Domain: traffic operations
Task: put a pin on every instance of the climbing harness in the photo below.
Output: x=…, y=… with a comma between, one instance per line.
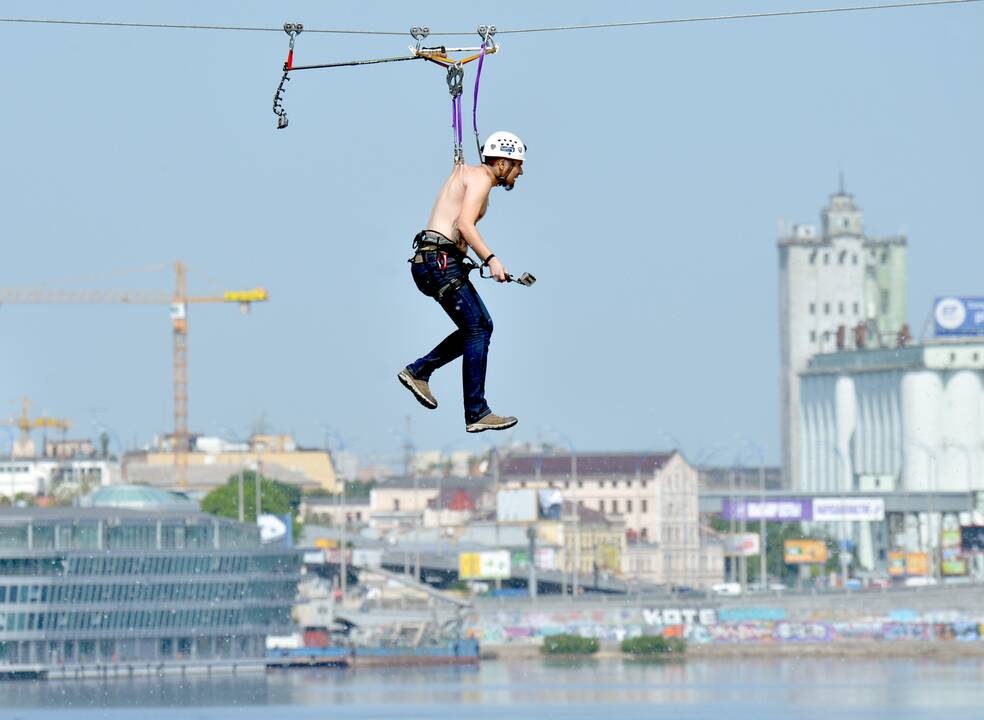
x=432, y=241
x=446, y=57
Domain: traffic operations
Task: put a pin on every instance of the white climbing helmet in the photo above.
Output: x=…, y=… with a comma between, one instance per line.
x=505, y=145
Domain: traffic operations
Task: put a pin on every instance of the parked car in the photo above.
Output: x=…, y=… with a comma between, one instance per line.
x=726, y=589
x=919, y=581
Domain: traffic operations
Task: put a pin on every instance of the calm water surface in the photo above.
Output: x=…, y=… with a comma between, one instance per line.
x=601, y=690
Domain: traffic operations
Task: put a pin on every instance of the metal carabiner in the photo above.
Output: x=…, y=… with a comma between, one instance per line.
x=455, y=78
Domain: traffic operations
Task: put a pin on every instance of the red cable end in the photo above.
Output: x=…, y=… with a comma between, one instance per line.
x=290, y=59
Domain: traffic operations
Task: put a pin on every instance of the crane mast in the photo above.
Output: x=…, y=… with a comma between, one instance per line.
x=179, y=302
x=179, y=324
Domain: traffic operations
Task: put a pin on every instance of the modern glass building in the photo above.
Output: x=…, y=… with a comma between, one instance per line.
x=115, y=590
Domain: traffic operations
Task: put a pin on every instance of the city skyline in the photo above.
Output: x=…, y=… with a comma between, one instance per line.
x=685, y=240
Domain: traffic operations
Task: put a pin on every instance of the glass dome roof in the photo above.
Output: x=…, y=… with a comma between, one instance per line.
x=139, y=497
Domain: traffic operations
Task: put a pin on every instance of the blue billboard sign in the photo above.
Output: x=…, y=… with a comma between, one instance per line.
x=784, y=510
x=959, y=316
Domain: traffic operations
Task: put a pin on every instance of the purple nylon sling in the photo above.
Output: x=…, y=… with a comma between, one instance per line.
x=478, y=78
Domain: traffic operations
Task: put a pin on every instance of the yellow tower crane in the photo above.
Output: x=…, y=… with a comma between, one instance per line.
x=179, y=302
x=26, y=423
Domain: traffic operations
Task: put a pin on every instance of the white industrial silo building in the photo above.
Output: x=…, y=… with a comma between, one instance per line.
x=903, y=419
x=833, y=282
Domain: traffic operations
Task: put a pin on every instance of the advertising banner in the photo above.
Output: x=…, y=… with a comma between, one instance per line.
x=917, y=563
x=741, y=544
x=787, y=509
x=803, y=552
x=520, y=559
x=546, y=558
x=484, y=565
x=468, y=566
x=335, y=556
x=950, y=537
x=972, y=538
x=959, y=316
x=494, y=565
x=368, y=558
x=517, y=505
x=850, y=509
x=275, y=529
x=953, y=563
x=896, y=564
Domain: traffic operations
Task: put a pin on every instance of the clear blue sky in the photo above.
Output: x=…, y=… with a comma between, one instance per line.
x=660, y=161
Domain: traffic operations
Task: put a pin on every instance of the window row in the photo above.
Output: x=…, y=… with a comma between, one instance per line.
x=148, y=592
x=842, y=257
x=601, y=484
x=183, y=564
x=32, y=567
x=136, y=620
x=615, y=507
x=841, y=308
x=128, y=536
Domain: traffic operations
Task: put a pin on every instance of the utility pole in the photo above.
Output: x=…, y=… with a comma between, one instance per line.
x=575, y=583
x=409, y=460
x=259, y=495
x=343, y=545
x=242, y=507
x=531, y=534
x=495, y=481
x=743, y=560
x=496, y=484
x=763, y=570
x=732, y=561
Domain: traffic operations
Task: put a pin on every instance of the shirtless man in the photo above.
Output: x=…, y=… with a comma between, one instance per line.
x=439, y=271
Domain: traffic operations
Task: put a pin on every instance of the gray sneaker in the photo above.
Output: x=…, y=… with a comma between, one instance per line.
x=491, y=422
x=420, y=389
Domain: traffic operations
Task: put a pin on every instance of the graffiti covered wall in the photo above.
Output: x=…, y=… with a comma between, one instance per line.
x=734, y=625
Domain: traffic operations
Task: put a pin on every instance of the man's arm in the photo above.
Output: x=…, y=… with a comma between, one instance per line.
x=477, y=191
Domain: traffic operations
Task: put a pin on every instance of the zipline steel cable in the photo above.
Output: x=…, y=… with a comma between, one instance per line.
x=557, y=28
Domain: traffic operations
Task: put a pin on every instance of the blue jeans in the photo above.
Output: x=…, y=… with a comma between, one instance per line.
x=470, y=340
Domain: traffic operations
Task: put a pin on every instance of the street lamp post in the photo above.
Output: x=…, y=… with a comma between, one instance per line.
x=763, y=570
x=242, y=497
x=531, y=536
x=340, y=511
x=931, y=485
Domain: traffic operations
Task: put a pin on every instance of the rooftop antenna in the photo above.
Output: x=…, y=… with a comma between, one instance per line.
x=840, y=182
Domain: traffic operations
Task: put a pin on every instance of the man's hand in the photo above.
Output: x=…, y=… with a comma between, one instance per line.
x=498, y=271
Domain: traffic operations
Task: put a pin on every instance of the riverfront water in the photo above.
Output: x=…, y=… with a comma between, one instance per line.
x=744, y=689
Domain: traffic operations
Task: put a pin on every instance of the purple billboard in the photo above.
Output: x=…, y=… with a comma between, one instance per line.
x=787, y=509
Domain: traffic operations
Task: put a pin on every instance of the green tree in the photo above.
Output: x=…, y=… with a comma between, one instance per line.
x=353, y=489
x=777, y=534
x=276, y=498
x=359, y=488
x=569, y=645
x=653, y=645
